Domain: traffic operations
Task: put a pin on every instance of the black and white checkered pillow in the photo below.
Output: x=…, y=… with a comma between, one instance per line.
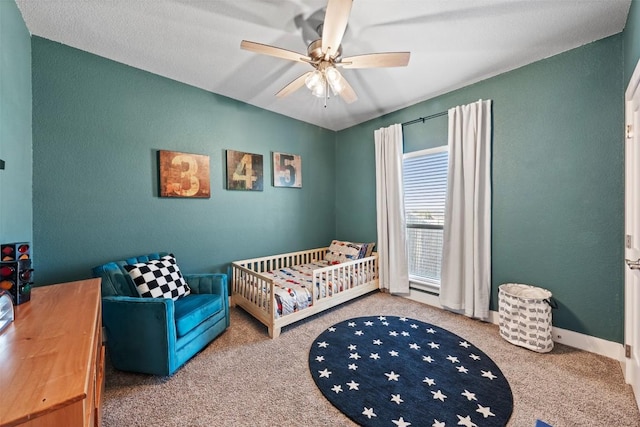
x=159, y=278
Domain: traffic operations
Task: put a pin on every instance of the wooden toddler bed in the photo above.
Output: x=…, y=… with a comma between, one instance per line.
x=281, y=289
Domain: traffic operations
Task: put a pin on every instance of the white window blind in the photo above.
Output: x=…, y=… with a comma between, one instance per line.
x=425, y=187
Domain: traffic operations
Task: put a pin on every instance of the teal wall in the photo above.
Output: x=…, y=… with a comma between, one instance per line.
x=557, y=179
x=15, y=126
x=631, y=41
x=96, y=130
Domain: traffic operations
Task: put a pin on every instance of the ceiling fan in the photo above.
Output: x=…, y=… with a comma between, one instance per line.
x=324, y=55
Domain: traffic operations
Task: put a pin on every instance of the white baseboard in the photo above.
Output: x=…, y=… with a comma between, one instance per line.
x=577, y=340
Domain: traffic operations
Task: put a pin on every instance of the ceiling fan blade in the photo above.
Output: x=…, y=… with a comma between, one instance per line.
x=376, y=60
x=335, y=24
x=347, y=93
x=293, y=86
x=273, y=51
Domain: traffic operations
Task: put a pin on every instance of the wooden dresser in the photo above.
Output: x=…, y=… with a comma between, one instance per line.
x=52, y=358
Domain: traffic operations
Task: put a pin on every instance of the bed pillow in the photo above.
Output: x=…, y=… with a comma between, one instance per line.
x=342, y=251
x=370, y=247
x=367, y=249
x=159, y=278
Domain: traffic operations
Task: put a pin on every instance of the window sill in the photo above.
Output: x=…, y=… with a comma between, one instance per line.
x=424, y=285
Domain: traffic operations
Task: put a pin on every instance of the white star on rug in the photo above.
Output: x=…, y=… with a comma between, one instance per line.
x=368, y=412
x=374, y=356
x=393, y=333
x=331, y=329
x=359, y=333
x=353, y=385
x=429, y=381
x=414, y=346
x=325, y=373
x=323, y=344
x=488, y=374
x=437, y=423
x=368, y=323
x=466, y=421
x=414, y=326
x=427, y=359
x=401, y=422
x=464, y=344
x=453, y=359
x=431, y=331
x=393, y=353
x=385, y=323
x=353, y=366
x=354, y=356
x=382, y=318
x=462, y=369
x=377, y=342
x=469, y=395
x=352, y=324
x=396, y=398
x=337, y=388
x=403, y=319
x=319, y=358
x=352, y=347
x=474, y=356
x=392, y=376
x=434, y=345
x=405, y=334
x=485, y=411
x=438, y=395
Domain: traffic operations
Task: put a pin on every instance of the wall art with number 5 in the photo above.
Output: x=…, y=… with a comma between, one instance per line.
x=244, y=171
x=287, y=170
x=183, y=175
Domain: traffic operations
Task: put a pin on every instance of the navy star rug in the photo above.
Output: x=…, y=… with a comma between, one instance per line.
x=395, y=371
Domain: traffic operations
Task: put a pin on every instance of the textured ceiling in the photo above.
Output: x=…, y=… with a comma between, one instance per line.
x=453, y=43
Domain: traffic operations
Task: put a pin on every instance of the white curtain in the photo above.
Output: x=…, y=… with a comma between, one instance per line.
x=392, y=241
x=466, y=255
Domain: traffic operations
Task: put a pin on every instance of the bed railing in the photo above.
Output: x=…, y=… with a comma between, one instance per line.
x=274, y=262
x=256, y=288
x=347, y=275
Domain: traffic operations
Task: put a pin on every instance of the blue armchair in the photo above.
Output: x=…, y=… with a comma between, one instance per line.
x=158, y=335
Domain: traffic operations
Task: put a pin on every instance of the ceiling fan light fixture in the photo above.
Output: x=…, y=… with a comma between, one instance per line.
x=334, y=79
x=317, y=82
x=313, y=79
x=319, y=89
x=332, y=74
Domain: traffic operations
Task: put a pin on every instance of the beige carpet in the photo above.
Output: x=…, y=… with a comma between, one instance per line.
x=244, y=378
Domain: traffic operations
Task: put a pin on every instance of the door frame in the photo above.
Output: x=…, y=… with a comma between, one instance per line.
x=631, y=371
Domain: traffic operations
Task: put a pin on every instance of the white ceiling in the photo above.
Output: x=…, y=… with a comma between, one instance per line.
x=453, y=43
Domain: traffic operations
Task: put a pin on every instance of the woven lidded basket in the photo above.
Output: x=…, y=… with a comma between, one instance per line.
x=525, y=316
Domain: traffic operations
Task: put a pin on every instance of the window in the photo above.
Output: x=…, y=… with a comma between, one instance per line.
x=425, y=189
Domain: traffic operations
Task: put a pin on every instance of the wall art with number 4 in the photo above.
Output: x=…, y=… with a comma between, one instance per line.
x=287, y=170
x=244, y=171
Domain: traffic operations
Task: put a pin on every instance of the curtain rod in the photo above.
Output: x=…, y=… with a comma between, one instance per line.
x=422, y=119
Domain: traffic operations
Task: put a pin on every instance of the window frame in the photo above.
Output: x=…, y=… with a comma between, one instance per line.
x=417, y=282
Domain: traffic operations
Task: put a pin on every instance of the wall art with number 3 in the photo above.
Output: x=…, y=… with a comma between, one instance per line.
x=183, y=175
x=244, y=171
x=287, y=170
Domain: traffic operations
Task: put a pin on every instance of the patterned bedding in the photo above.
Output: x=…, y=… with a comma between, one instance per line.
x=293, y=286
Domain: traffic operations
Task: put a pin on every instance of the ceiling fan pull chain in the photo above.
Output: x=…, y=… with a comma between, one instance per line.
x=326, y=91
